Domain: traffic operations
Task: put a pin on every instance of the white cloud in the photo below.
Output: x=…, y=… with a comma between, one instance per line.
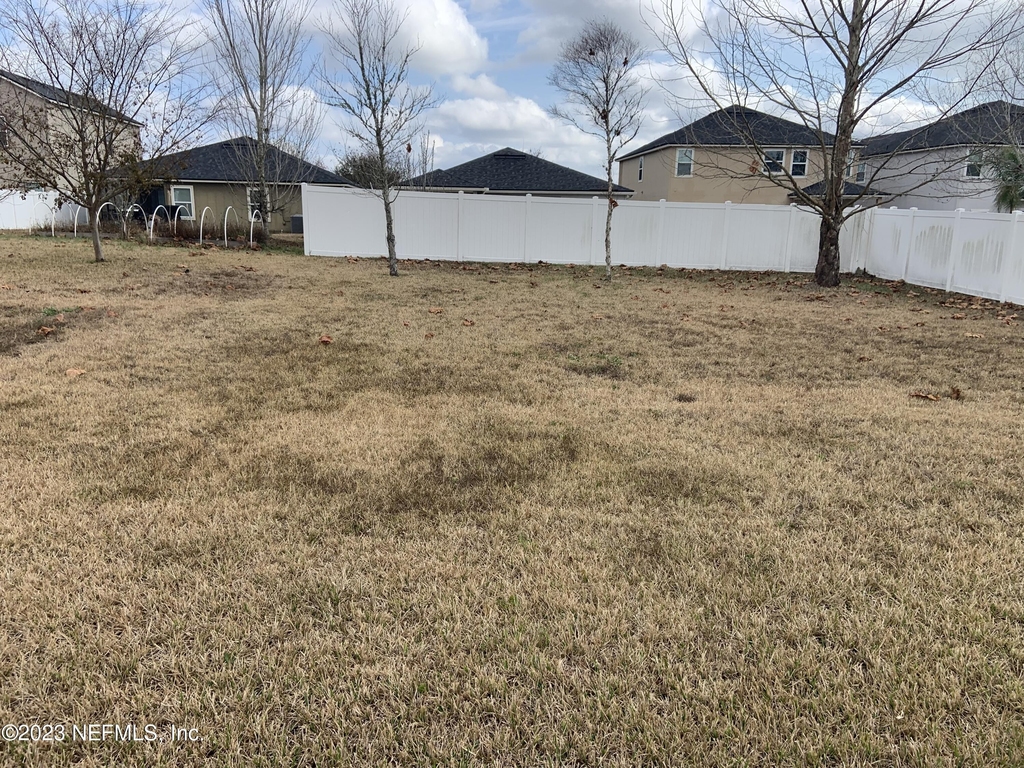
x=481, y=86
x=449, y=43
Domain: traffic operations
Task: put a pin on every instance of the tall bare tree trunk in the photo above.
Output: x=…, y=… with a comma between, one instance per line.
x=97, y=243
x=390, y=219
x=826, y=273
x=608, y=236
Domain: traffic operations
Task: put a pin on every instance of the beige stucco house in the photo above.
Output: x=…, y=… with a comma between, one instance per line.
x=218, y=179
x=731, y=155
x=42, y=128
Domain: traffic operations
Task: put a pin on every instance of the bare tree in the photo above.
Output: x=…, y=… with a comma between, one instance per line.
x=383, y=109
x=597, y=74
x=102, y=85
x=262, y=81
x=834, y=66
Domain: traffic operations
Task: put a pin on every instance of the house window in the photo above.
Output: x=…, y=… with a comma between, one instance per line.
x=684, y=162
x=799, y=165
x=862, y=172
x=773, y=159
x=973, y=168
x=640, y=169
x=256, y=201
x=850, y=157
x=185, y=198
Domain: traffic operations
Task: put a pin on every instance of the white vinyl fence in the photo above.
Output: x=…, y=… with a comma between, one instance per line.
x=35, y=211
x=977, y=253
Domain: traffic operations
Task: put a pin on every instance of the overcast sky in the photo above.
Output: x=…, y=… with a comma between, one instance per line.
x=489, y=60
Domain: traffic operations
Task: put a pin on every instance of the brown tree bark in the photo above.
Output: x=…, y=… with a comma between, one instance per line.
x=826, y=273
x=97, y=243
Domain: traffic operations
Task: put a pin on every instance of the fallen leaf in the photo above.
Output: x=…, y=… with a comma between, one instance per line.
x=72, y=372
x=183, y=266
x=665, y=306
x=597, y=317
x=919, y=325
x=405, y=323
x=59, y=317
x=351, y=259
x=955, y=393
x=863, y=359
x=111, y=313
x=493, y=281
x=44, y=330
x=467, y=321
x=6, y=287
x=428, y=335
x=974, y=335
x=325, y=339
x=925, y=396
x=958, y=316
x=436, y=310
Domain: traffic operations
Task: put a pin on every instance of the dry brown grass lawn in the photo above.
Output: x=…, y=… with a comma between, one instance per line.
x=684, y=519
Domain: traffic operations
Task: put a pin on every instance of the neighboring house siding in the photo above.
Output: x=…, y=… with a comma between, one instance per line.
x=17, y=102
x=933, y=179
x=719, y=174
x=219, y=196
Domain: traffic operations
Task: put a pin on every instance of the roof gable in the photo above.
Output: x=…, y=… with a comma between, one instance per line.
x=509, y=170
x=231, y=161
x=992, y=123
x=738, y=126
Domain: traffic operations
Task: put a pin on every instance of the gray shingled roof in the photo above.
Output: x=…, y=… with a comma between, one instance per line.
x=737, y=126
x=994, y=123
x=509, y=170
x=60, y=96
x=850, y=189
x=227, y=160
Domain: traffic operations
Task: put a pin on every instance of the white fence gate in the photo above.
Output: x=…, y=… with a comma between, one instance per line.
x=976, y=253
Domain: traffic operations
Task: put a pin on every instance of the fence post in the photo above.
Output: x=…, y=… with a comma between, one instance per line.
x=869, y=230
x=1008, y=258
x=725, y=236
x=954, y=243
x=660, y=257
x=910, y=244
x=789, y=237
x=458, y=227
x=526, y=226
x=596, y=230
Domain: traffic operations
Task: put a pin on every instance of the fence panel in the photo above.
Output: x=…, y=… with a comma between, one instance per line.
x=976, y=253
x=561, y=230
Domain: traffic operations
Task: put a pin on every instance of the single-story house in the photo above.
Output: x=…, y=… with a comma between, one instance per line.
x=730, y=155
x=942, y=165
x=219, y=176
x=511, y=172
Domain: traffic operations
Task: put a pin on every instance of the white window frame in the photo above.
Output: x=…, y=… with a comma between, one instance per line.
x=191, y=203
x=248, y=204
x=793, y=163
x=781, y=161
x=680, y=150
x=640, y=170
x=973, y=159
x=862, y=173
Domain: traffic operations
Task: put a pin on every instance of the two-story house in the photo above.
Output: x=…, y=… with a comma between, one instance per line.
x=44, y=126
x=943, y=165
x=730, y=155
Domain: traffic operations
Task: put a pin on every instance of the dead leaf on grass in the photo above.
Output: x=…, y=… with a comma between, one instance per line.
x=73, y=372
x=325, y=339
x=925, y=396
x=863, y=359
x=436, y=310
x=405, y=323
x=467, y=322
x=428, y=335
x=45, y=330
x=975, y=335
